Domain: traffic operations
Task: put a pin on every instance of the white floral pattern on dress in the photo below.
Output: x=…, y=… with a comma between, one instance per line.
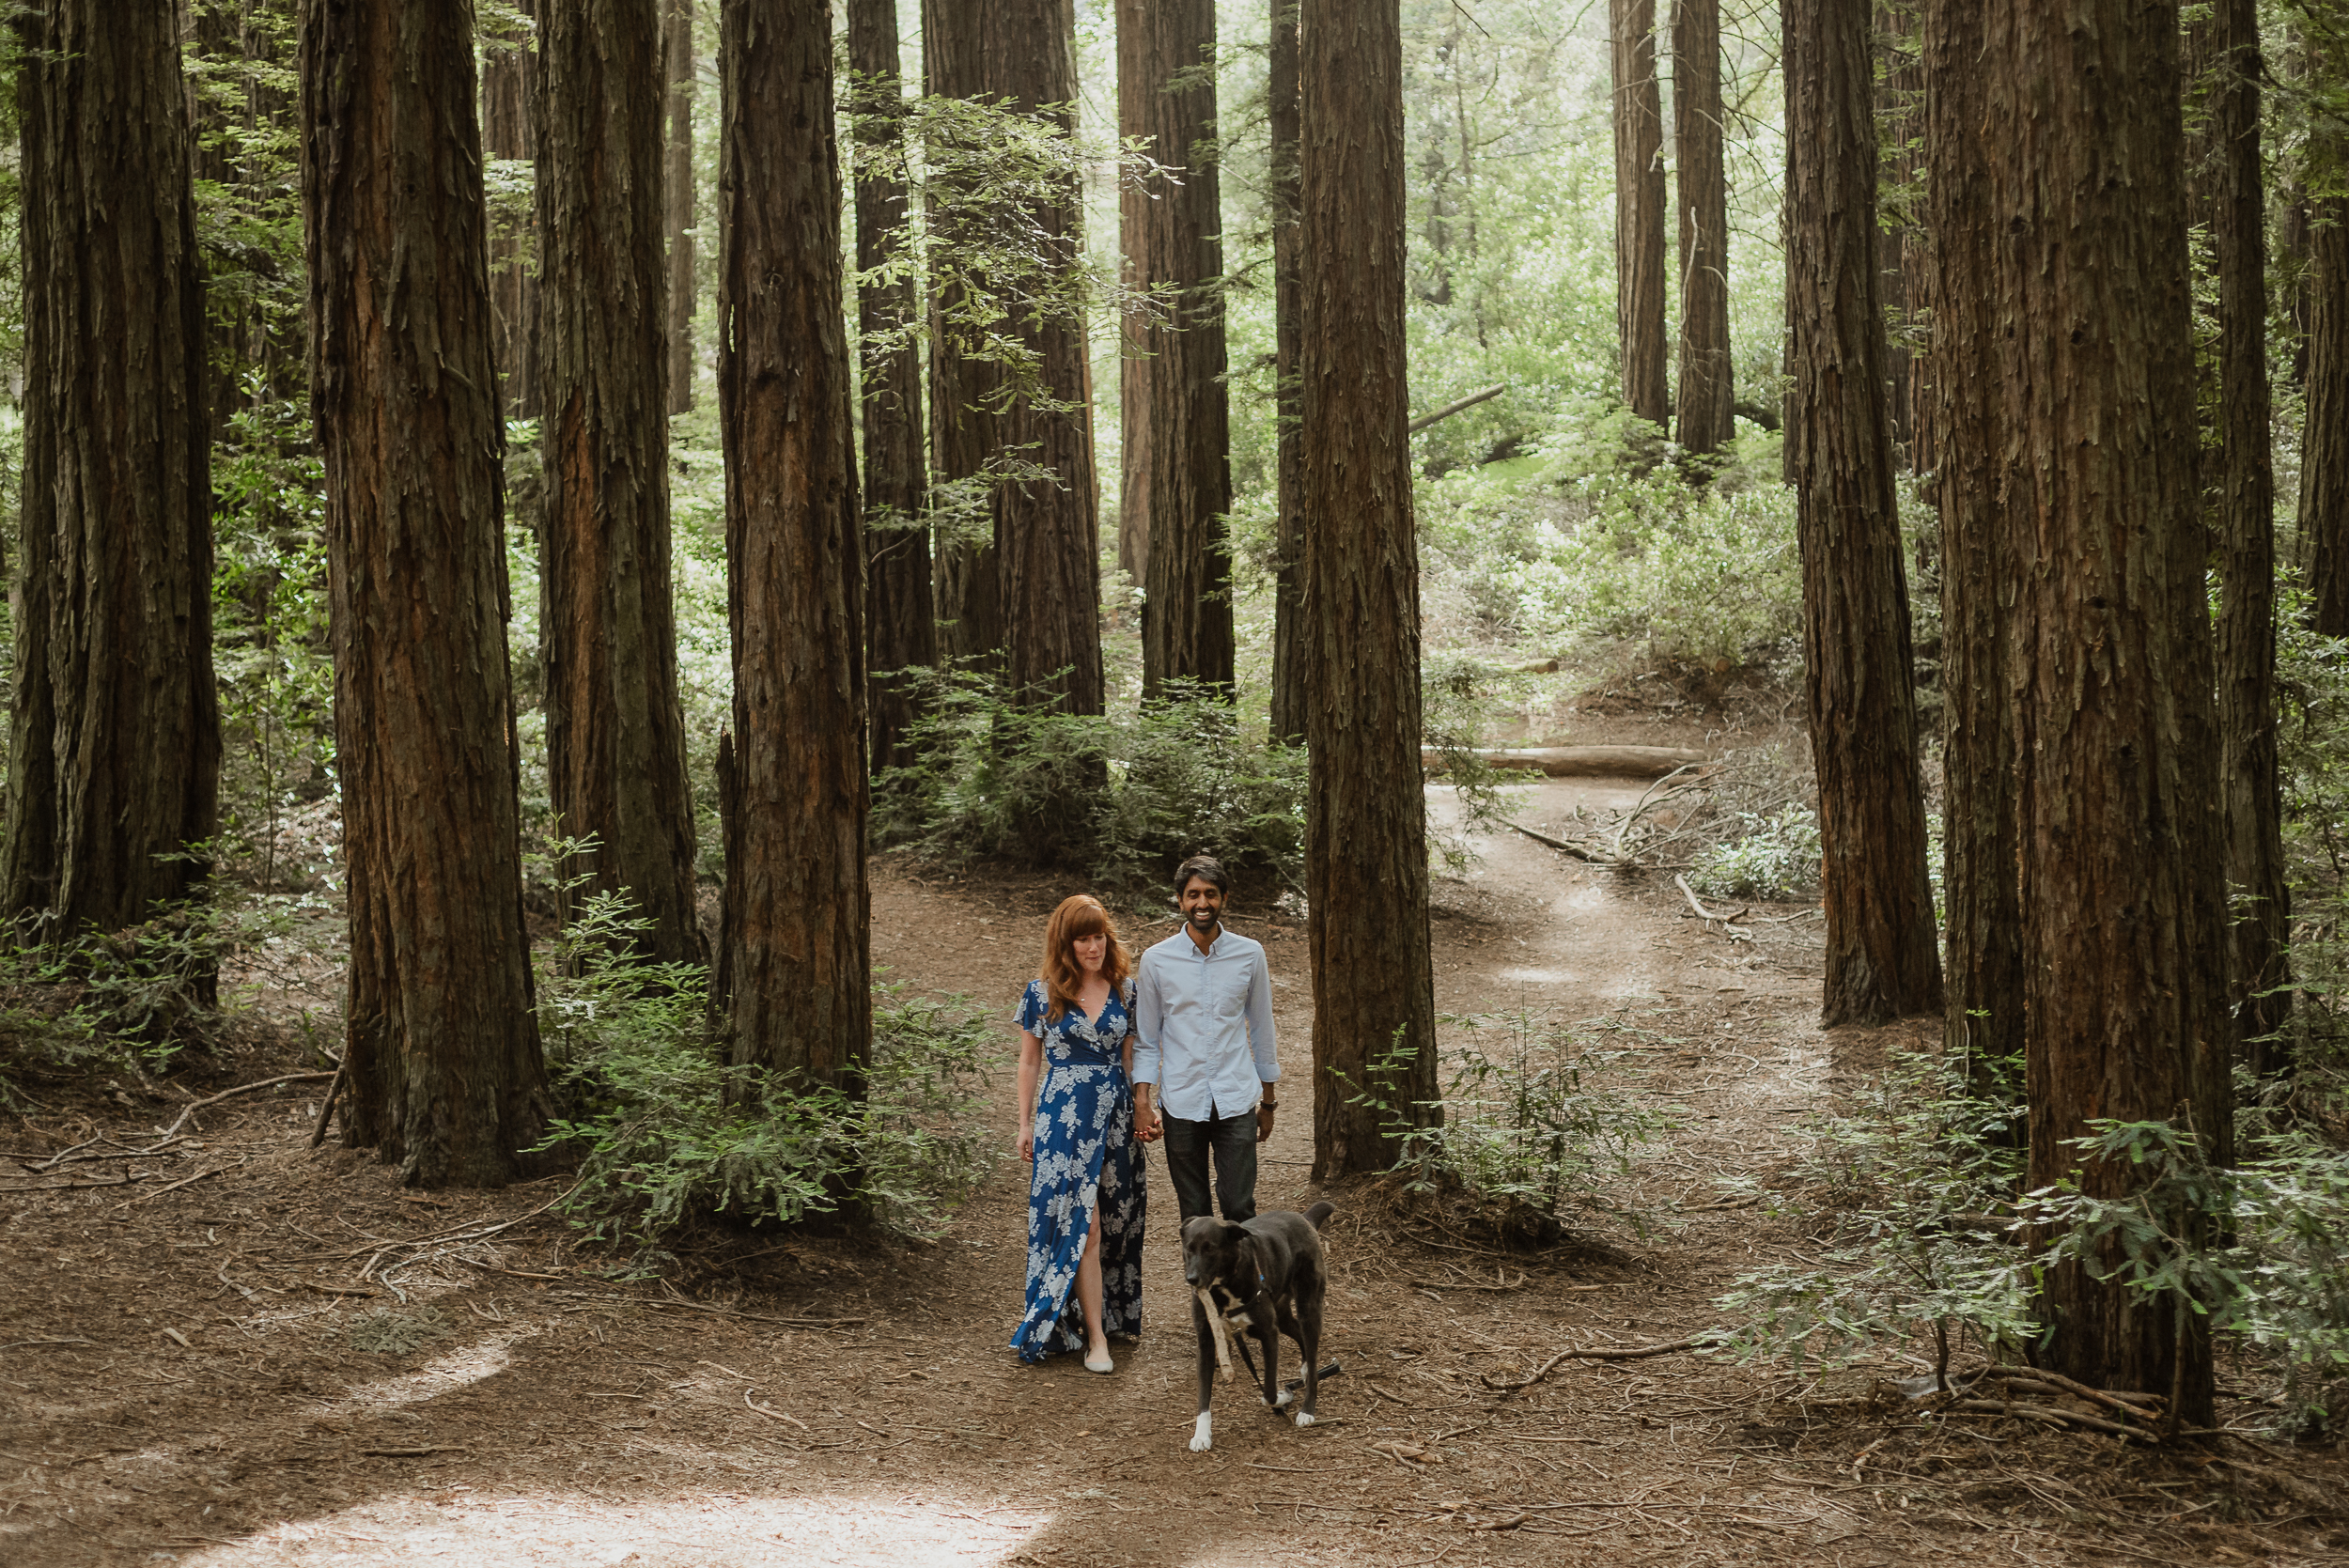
x=1086, y=1161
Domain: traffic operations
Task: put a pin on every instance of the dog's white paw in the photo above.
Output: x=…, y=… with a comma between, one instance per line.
x=1304, y=1419
x=1284, y=1400
x=1203, y=1434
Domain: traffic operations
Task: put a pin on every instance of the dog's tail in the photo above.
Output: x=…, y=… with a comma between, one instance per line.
x=1320, y=1214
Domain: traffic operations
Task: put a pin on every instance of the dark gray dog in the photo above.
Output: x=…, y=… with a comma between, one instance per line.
x=1263, y=1278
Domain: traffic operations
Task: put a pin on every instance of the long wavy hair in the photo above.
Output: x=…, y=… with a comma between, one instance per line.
x=1079, y=915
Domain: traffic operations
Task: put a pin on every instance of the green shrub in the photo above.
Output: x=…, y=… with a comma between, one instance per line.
x=1776, y=857
x=665, y=1129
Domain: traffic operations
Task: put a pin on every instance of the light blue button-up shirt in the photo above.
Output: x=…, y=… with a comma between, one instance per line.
x=1202, y=1025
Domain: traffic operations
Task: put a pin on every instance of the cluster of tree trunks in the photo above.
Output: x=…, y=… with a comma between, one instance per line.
x=1639, y=214
x=1366, y=820
x=1283, y=110
x=510, y=87
x=1707, y=385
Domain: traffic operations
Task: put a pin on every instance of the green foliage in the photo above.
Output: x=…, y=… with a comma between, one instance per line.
x=1530, y=1132
x=666, y=1130
x=1167, y=779
x=1457, y=696
x=1911, y=1188
x=1776, y=856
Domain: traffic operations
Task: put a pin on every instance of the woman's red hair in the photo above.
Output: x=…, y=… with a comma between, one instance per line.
x=1079, y=915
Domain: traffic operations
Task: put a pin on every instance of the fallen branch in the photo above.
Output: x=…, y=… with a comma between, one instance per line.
x=1582, y=762
x=1222, y=1340
x=1641, y=804
x=1579, y=851
x=1709, y=916
x=1706, y=1341
x=1462, y=1284
x=1434, y=416
x=2054, y=1381
x=326, y=1112
x=2051, y=1414
x=184, y=1181
x=241, y=1088
x=773, y=1414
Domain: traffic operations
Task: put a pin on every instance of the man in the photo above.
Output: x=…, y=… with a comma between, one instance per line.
x=1204, y=1050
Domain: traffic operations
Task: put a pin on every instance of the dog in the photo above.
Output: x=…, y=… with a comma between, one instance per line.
x=1263, y=1278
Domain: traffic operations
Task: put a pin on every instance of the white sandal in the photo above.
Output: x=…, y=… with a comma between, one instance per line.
x=1104, y=1364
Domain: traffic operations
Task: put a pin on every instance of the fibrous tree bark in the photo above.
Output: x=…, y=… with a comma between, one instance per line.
x=1707, y=385
x=1903, y=261
x=1983, y=970
x=794, y=981
x=2115, y=738
x=1288, y=326
x=1365, y=821
x=445, y=1076
x=677, y=216
x=510, y=86
x=1177, y=415
x=114, y=728
x=2245, y=497
x=2325, y=431
x=901, y=614
x=1881, y=962
x=616, y=728
x=1638, y=120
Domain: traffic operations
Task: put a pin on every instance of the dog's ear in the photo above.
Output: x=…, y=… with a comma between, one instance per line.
x=1230, y=1234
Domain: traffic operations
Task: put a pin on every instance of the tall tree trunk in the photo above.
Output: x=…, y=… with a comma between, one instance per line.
x=1639, y=118
x=114, y=728
x=965, y=434
x=793, y=983
x=1366, y=815
x=901, y=614
x=1288, y=332
x=1177, y=449
x=2247, y=539
x=677, y=213
x=616, y=729
x=1984, y=1025
x=1707, y=384
x=2116, y=739
x=2325, y=431
x=1880, y=935
x=1900, y=261
x=509, y=87
x=445, y=1076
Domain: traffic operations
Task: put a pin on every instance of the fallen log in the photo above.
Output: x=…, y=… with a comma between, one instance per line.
x=1582, y=762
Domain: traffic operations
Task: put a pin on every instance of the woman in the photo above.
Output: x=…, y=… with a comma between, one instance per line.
x=1085, y=1194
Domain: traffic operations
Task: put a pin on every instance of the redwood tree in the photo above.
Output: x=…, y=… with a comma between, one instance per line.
x=444, y=1073
x=1983, y=1018
x=2245, y=497
x=901, y=615
x=794, y=981
x=1177, y=415
x=2116, y=743
x=1288, y=331
x=1707, y=385
x=1880, y=935
x=616, y=729
x=115, y=729
x=677, y=209
x=2325, y=428
x=1638, y=120
x=510, y=86
x=1367, y=815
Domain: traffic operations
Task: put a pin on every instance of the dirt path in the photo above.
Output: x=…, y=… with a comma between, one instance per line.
x=166, y=1397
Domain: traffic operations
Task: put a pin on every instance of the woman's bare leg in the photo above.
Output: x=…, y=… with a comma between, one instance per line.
x=1089, y=1285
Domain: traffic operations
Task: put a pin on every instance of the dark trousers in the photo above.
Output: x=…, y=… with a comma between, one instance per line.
x=1233, y=1142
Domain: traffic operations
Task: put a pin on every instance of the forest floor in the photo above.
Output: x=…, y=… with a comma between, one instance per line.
x=182, y=1377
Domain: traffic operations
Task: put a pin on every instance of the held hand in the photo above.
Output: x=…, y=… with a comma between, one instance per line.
x=1264, y=1123
x=1027, y=1144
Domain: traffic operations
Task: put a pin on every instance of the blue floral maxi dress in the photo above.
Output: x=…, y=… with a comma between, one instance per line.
x=1084, y=1150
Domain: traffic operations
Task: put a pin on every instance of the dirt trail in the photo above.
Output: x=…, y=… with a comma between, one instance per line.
x=166, y=1397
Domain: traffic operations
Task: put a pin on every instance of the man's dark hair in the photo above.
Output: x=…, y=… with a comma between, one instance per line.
x=1204, y=868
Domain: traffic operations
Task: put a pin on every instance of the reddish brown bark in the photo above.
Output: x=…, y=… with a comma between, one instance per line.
x=900, y=610
x=794, y=981
x=1880, y=936
x=1707, y=387
x=115, y=729
x=1366, y=817
x=1177, y=442
x=1639, y=214
x=2116, y=739
x=444, y=1073
x=616, y=729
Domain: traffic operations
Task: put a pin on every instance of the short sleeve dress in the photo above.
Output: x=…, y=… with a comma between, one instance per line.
x=1088, y=1171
